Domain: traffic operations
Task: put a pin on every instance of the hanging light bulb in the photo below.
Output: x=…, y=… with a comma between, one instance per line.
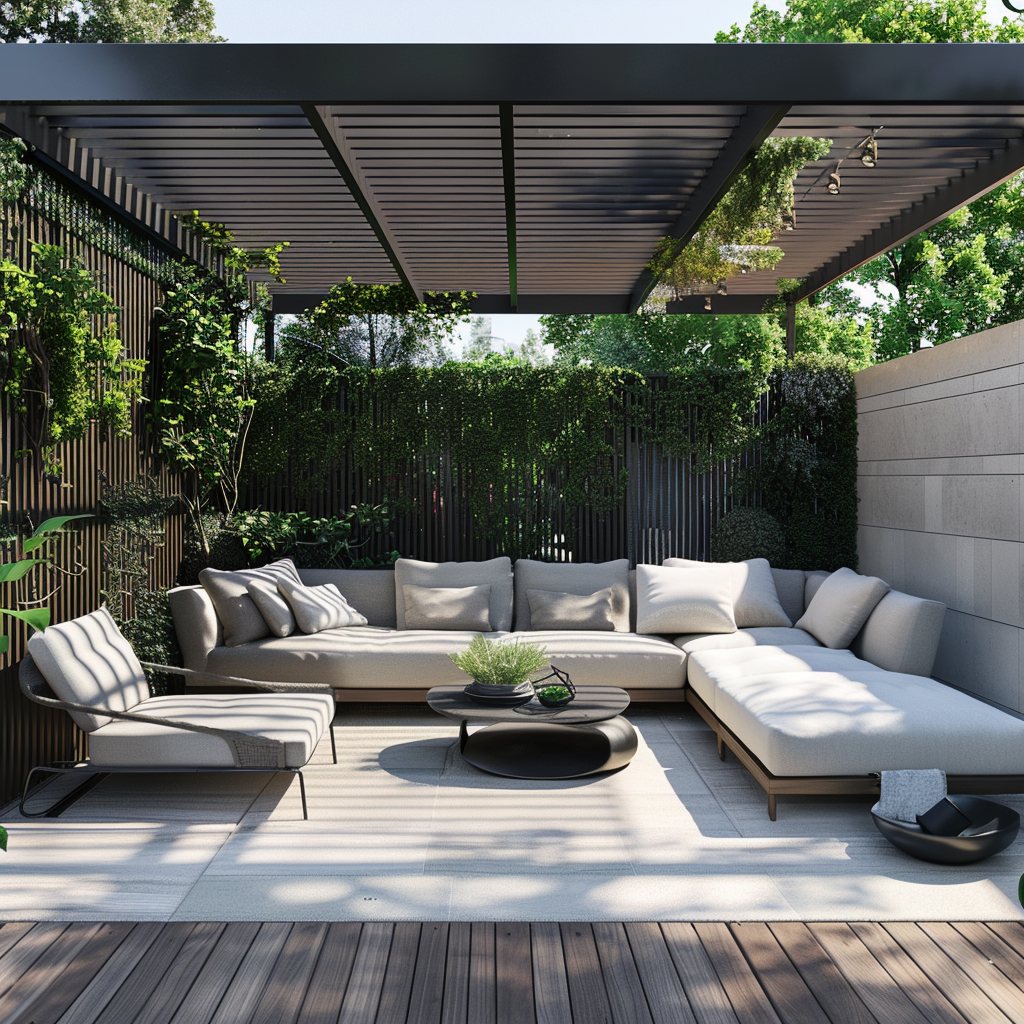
x=869, y=152
x=834, y=182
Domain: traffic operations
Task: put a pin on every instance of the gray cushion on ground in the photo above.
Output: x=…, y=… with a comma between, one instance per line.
x=777, y=636
x=789, y=585
x=581, y=578
x=369, y=591
x=296, y=719
x=839, y=715
x=196, y=625
x=497, y=572
x=901, y=634
x=612, y=659
x=88, y=661
x=358, y=657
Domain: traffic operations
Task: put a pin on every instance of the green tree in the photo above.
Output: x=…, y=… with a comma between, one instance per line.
x=107, y=21
x=532, y=349
x=377, y=325
x=481, y=340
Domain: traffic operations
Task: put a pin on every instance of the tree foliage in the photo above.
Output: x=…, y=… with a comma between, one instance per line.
x=107, y=21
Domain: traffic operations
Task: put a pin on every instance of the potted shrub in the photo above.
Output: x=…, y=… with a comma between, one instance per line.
x=500, y=670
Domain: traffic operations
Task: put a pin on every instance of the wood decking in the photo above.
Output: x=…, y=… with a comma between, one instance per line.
x=460, y=973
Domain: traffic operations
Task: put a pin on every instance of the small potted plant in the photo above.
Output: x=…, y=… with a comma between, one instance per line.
x=556, y=694
x=500, y=670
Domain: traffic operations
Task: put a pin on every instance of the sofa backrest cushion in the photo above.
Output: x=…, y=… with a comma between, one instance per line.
x=813, y=579
x=236, y=610
x=676, y=600
x=448, y=607
x=276, y=611
x=88, y=661
x=579, y=578
x=495, y=572
x=319, y=608
x=901, y=634
x=369, y=591
x=789, y=585
x=840, y=606
x=755, y=601
x=196, y=626
x=550, y=609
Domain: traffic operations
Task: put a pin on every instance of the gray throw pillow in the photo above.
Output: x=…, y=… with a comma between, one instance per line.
x=229, y=592
x=495, y=573
x=580, y=578
x=448, y=607
x=276, y=611
x=755, y=599
x=840, y=606
x=552, y=610
x=674, y=600
x=319, y=608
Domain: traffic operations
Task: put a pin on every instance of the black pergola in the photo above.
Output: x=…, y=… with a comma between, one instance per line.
x=540, y=177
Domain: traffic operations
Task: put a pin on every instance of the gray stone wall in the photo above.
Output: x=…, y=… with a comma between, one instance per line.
x=941, y=487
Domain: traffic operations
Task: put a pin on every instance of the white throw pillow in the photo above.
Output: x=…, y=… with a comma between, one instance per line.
x=319, y=608
x=495, y=573
x=276, y=611
x=755, y=598
x=673, y=600
x=448, y=607
x=840, y=606
x=229, y=592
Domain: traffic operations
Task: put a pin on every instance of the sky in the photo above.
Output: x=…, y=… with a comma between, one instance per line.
x=488, y=21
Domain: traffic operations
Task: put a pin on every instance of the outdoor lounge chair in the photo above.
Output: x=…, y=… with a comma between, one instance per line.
x=87, y=668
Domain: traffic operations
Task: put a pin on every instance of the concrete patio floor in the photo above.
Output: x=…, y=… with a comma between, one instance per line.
x=402, y=829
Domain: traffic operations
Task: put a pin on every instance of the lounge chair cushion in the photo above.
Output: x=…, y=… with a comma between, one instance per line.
x=88, y=661
x=840, y=606
x=755, y=600
x=674, y=600
x=495, y=572
x=817, y=711
x=229, y=592
x=448, y=607
x=550, y=609
x=580, y=578
x=319, y=608
x=296, y=719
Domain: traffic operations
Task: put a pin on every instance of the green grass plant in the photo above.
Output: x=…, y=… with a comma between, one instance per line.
x=497, y=663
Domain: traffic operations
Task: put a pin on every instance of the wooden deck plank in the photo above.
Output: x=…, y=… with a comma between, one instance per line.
x=397, y=985
x=178, y=976
x=550, y=986
x=52, y=999
x=12, y=933
x=95, y=996
x=455, y=1008
x=1011, y=932
x=362, y=996
x=907, y=973
x=583, y=973
x=701, y=984
x=794, y=1002
x=333, y=970
x=986, y=986
x=666, y=999
x=945, y=974
x=213, y=980
x=246, y=987
x=46, y=969
x=286, y=987
x=426, y=996
x=996, y=952
x=19, y=958
x=483, y=995
x=869, y=979
x=513, y=974
x=833, y=992
x=748, y=999
x=622, y=980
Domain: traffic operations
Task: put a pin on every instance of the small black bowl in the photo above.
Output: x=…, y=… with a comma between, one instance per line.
x=909, y=837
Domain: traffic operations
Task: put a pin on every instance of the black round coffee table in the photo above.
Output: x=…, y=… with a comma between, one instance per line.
x=534, y=742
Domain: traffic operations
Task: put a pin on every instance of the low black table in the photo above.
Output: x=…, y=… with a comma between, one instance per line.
x=534, y=742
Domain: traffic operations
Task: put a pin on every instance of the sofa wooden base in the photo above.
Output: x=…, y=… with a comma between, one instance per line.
x=831, y=785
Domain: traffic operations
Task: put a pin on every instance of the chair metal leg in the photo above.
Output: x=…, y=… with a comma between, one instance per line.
x=334, y=749
x=92, y=780
x=302, y=791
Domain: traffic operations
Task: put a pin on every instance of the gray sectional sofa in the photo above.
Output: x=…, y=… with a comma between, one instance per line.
x=820, y=709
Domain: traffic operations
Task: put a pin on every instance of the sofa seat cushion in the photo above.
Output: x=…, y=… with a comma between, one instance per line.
x=356, y=657
x=757, y=637
x=816, y=711
x=608, y=658
x=296, y=719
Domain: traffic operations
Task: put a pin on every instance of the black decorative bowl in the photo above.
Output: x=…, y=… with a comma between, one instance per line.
x=499, y=696
x=910, y=838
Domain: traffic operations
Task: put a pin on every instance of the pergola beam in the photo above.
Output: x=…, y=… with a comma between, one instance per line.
x=506, y=114
x=337, y=148
x=759, y=121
